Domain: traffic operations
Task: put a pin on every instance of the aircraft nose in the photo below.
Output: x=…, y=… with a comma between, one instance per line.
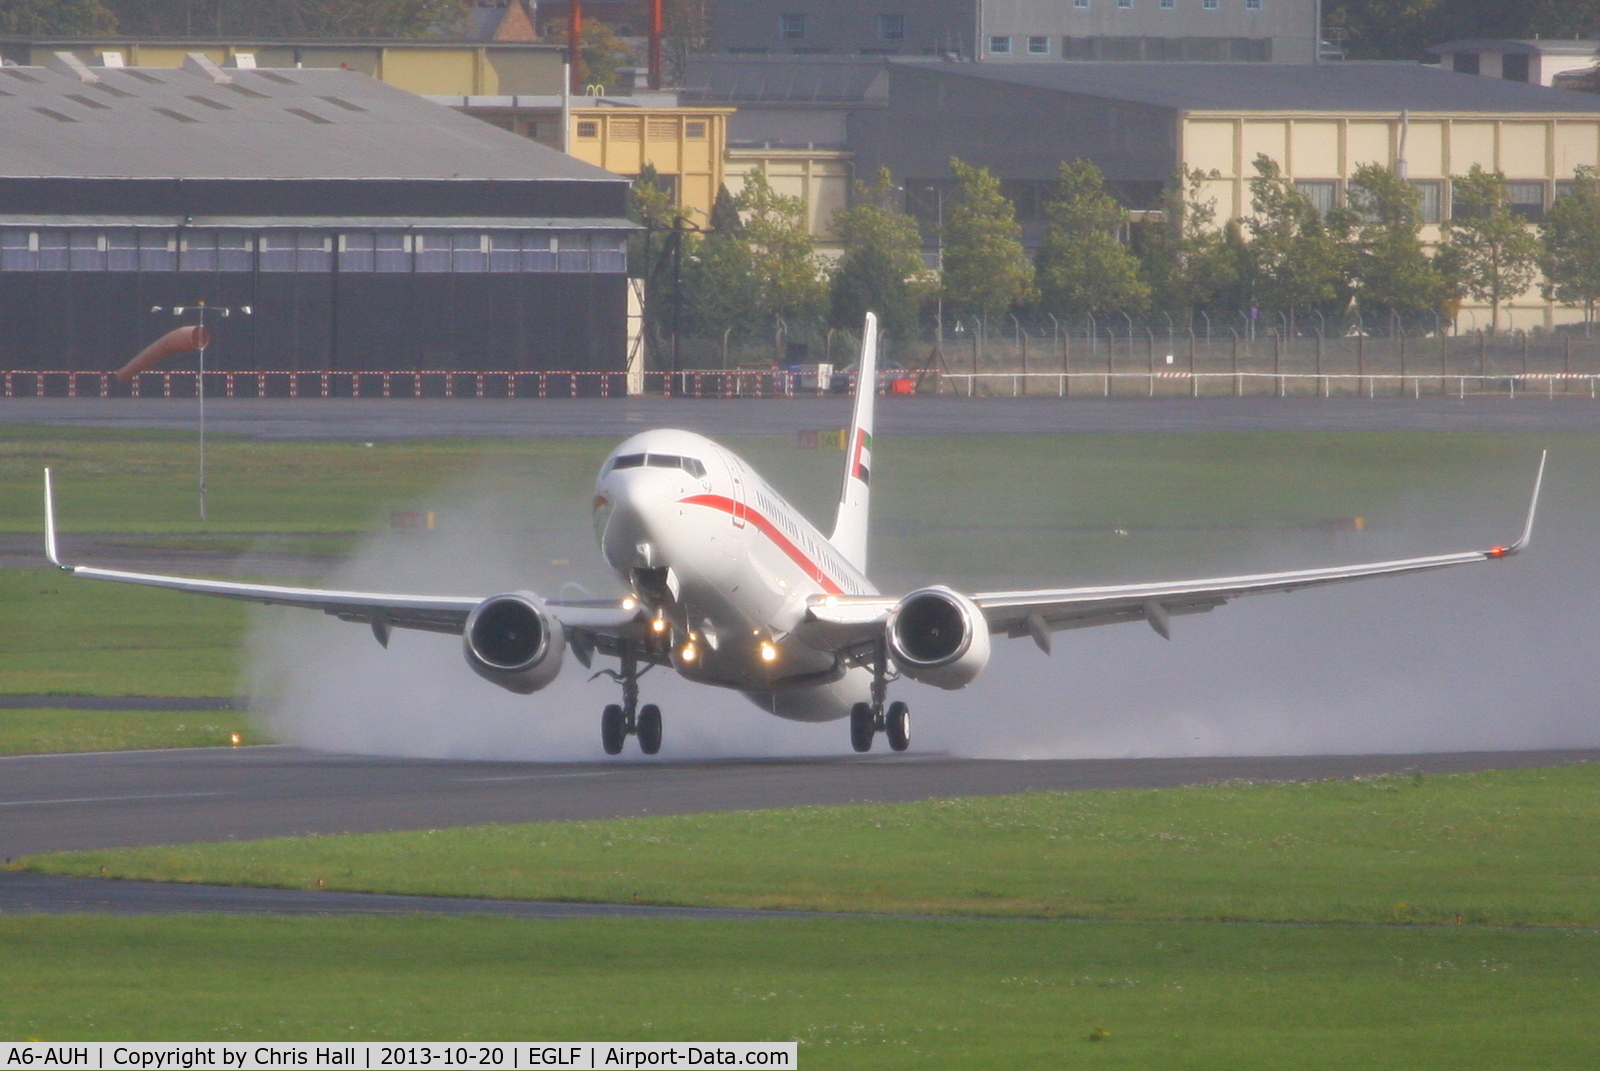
x=625, y=534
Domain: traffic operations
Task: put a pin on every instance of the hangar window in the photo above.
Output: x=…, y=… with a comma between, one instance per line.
x=18, y=251
x=158, y=251
x=313, y=251
x=589, y=128
x=572, y=252
x=1083, y=4
x=53, y=251
x=235, y=251
x=87, y=251
x=1038, y=46
x=198, y=251
x=1252, y=5
x=538, y=252
x=999, y=45
x=1208, y=5
x=433, y=252
x=505, y=252
x=694, y=129
x=122, y=250
x=609, y=253
x=469, y=252
x=357, y=252
x=391, y=252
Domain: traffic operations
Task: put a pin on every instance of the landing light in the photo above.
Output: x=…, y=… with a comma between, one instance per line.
x=658, y=625
x=688, y=653
x=630, y=603
x=769, y=653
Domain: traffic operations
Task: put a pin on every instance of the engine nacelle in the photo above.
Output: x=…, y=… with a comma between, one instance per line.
x=939, y=637
x=513, y=641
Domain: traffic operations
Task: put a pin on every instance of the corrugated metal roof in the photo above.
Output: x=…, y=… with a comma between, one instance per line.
x=262, y=223
x=781, y=79
x=164, y=122
x=1274, y=87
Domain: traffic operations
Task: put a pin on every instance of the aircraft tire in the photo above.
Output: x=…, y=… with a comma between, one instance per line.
x=897, y=725
x=649, y=728
x=612, y=730
x=861, y=727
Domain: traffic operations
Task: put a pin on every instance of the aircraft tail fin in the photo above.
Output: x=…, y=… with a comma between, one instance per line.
x=850, y=529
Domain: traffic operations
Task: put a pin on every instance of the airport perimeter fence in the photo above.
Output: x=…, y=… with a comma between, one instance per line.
x=1117, y=356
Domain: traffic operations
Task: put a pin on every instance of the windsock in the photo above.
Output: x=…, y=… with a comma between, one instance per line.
x=179, y=340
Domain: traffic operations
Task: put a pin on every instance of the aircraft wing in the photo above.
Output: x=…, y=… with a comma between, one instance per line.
x=1041, y=612
x=382, y=610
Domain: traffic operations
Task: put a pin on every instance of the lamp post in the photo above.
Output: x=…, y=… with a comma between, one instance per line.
x=200, y=311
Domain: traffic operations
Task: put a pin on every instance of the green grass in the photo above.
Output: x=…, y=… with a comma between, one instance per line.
x=1505, y=847
x=53, y=731
x=63, y=636
x=854, y=993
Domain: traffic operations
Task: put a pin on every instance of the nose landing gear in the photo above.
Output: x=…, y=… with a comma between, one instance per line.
x=618, y=722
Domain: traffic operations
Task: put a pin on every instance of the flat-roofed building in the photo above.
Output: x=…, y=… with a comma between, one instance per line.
x=1539, y=62
x=367, y=228
x=1277, y=31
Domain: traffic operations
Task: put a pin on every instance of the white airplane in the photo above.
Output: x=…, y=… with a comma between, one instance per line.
x=730, y=586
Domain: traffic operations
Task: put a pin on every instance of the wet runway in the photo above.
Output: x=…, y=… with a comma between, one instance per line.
x=116, y=799
x=375, y=418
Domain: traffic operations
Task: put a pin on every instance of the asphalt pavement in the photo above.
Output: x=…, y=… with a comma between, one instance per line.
x=359, y=419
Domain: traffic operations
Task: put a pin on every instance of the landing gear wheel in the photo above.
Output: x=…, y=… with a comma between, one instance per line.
x=862, y=727
x=897, y=725
x=613, y=729
x=649, y=729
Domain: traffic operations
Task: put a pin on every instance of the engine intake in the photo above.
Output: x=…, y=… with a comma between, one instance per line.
x=940, y=637
x=513, y=641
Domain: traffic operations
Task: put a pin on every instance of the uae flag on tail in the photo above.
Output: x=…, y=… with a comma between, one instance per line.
x=862, y=464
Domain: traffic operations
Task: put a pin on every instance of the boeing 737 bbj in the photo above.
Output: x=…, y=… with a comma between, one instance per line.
x=730, y=586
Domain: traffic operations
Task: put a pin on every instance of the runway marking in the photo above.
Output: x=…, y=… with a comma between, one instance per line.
x=109, y=799
x=533, y=777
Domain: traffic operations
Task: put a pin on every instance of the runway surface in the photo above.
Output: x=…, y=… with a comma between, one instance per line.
x=376, y=418
x=115, y=799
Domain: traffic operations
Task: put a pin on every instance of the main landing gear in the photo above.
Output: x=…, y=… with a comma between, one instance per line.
x=618, y=722
x=869, y=719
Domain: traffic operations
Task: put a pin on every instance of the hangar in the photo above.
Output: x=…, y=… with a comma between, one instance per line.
x=367, y=228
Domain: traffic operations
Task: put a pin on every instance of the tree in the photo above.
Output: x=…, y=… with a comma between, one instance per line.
x=1403, y=29
x=1188, y=259
x=1082, y=265
x=881, y=270
x=725, y=213
x=687, y=31
x=986, y=270
x=783, y=253
x=1571, y=237
x=601, y=55
x=290, y=18
x=656, y=256
x=1488, y=252
x=56, y=17
x=1389, y=269
x=1295, y=262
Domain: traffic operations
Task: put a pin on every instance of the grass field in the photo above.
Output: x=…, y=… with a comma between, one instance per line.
x=1502, y=848
x=52, y=730
x=855, y=993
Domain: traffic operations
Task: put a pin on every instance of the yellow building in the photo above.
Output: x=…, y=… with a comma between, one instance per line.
x=1140, y=122
x=820, y=177
x=428, y=68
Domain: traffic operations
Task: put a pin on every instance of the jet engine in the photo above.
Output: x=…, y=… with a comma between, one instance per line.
x=513, y=641
x=939, y=637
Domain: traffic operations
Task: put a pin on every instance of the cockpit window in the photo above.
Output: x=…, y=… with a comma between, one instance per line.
x=693, y=466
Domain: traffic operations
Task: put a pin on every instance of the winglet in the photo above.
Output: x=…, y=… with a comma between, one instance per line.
x=1533, y=507
x=50, y=524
